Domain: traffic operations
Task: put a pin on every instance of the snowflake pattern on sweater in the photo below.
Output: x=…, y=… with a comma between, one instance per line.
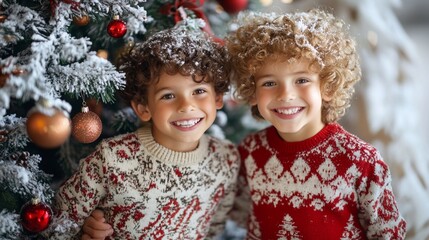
x=150, y=192
x=330, y=186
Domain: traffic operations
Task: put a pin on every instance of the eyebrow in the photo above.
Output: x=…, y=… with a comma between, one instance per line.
x=303, y=72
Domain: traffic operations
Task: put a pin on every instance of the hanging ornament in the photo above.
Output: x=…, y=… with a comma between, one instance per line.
x=117, y=28
x=87, y=126
x=233, y=6
x=48, y=131
x=3, y=18
x=176, y=11
x=103, y=54
x=54, y=4
x=35, y=216
x=81, y=20
x=4, y=76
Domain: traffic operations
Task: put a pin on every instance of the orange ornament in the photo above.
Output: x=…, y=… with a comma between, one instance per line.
x=48, y=131
x=2, y=18
x=87, y=126
x=102, y=53
x=82, y=20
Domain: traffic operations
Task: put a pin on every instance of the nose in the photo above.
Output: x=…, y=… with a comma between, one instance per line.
x=186, y=105
x=286, y=93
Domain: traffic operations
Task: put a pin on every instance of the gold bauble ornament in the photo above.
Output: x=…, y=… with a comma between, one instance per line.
x=102, y=53
x=82, y=20
x=48, y=131
x=3, y=18
x=87, y=126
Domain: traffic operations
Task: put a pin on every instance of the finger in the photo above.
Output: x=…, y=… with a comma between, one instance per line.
x=97, y=224
x=97, y=233
x=97, y=214
x=87, y=237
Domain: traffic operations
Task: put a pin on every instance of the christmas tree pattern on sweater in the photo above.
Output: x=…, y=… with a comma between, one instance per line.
x=331, y=186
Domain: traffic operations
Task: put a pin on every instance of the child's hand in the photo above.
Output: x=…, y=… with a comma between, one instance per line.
x=95, y=228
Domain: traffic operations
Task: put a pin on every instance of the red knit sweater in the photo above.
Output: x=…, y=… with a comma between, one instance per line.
x=330, y=186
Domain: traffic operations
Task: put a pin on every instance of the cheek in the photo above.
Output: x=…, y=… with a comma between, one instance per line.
x=262, y=97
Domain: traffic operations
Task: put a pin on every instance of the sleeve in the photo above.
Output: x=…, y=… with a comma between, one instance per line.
x=217, y=225
x=242, y=202
x=81, y=193
x=378, y=212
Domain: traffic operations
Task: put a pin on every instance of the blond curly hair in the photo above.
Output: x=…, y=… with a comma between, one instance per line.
x=316, y=35
x=189, y=52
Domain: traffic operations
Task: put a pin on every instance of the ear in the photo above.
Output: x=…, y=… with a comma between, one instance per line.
x=252, y=101
x=326, y=97
x=219, y=101
x=141, y=110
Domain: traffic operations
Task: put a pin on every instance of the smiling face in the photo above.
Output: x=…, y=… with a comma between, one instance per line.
x=288, y=95
x=181, y=110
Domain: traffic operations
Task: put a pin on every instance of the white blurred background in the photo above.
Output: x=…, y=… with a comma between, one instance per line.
x=414, y=16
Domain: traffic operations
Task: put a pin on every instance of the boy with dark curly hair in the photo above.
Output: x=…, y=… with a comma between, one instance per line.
x=305, y=177
x=167, y=180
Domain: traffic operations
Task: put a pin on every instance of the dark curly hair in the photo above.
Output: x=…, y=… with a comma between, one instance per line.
x=315, y=35
x=183, y=50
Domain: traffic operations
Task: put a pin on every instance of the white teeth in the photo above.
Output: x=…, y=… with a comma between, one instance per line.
x=187, y=123
x=288, y=111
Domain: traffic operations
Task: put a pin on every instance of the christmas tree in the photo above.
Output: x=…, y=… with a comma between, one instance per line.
x=58, y=83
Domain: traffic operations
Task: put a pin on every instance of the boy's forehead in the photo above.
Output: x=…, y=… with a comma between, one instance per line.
x=171, y=80
x=277, y=64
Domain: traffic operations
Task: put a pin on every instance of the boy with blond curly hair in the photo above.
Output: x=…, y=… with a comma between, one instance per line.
x=305, y=176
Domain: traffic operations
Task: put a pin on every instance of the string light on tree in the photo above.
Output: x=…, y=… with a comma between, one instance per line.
x=87, y=126
x=117, y=28
x=35, y=216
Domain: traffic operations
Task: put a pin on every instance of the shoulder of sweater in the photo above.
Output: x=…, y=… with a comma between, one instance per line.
x=219, y=142
x=223, y=147
x=351, y=142
x=253, y=136
x=123, y=138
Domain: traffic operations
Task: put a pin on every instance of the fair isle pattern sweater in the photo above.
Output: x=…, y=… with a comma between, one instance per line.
x=331, y=186
x=150, y=192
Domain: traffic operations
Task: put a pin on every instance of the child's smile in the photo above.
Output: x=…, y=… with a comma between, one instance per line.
x=288, y=95
x=288, y=112
x=181, y=110
x=186, y=125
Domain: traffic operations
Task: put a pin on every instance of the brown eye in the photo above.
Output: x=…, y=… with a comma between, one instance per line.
x=199, y=91
x=302, y=81
x=268, y=84
x=167, y=96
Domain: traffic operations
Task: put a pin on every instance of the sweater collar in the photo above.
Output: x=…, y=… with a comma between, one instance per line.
x=275, y=140
x=169, y=156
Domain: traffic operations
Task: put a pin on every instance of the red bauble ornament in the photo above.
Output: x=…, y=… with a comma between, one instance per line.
x=35, y=216
x=117, y=28
x=233, y=6
x=48, y=131
x=87, y=126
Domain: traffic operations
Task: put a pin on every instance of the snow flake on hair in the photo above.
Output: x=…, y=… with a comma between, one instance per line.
x=307, y=27
x=176, y=45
